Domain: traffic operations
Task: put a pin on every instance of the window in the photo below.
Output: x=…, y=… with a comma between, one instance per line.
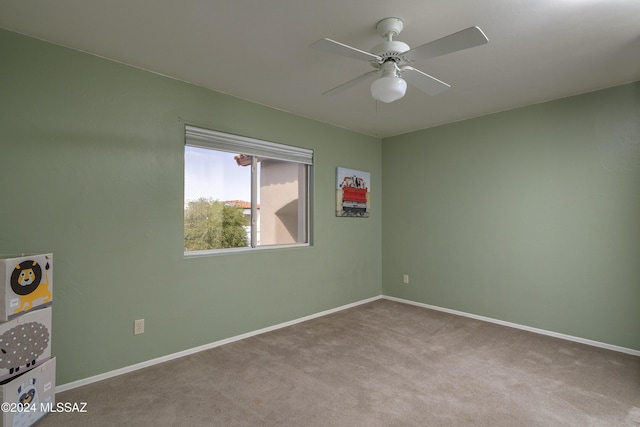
x=243, y=193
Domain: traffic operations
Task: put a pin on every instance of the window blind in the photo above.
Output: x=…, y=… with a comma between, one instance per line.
x=205, y=138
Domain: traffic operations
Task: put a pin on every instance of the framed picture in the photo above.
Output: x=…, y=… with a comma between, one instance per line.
x=353, y=193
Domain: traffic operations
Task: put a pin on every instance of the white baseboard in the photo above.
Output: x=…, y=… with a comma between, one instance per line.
x=179, y=354
x=518, y=326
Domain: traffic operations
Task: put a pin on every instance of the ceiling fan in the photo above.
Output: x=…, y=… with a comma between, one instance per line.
x=391, y=60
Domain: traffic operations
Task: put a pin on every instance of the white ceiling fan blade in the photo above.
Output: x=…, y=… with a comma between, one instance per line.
x=423, y=81
x=350, y=83
x=470, y=37
x=332, y=46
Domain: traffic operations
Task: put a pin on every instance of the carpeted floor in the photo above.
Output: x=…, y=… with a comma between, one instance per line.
x=379, y=364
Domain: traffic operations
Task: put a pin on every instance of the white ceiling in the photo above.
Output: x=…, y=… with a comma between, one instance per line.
x=258, y=50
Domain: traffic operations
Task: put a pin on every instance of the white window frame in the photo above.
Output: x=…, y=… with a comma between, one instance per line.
x=220, y=141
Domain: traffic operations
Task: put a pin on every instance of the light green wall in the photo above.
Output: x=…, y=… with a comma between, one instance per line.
x=91, y=166
x=530, y=216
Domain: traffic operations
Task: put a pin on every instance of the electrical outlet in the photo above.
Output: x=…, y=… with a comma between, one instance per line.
x=138, y=327
x=405, y=279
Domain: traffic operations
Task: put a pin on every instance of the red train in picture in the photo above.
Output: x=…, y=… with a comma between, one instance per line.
x=354, y=196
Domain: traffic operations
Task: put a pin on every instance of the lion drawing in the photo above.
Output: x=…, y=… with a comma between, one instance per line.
x=26, y=281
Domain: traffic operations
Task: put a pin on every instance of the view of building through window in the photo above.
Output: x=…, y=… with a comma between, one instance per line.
x=221, y=211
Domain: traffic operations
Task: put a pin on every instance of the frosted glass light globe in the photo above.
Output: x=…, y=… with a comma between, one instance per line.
x=388, y=89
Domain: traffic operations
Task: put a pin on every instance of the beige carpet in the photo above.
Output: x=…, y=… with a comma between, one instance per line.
x=379, y=364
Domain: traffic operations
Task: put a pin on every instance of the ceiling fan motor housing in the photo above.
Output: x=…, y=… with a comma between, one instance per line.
x=390, y=50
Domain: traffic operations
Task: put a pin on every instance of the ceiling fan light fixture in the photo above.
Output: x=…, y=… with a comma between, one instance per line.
x=388, y=89
x=392, y=60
